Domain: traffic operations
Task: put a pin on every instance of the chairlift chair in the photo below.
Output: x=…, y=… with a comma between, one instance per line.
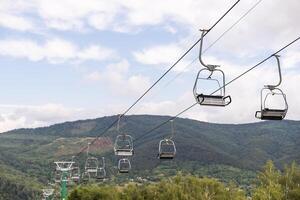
x=75, y=174
x=123, y=145
x=57, y=176
x=124, y=165
x=101, y=172
x=47, y=193
x=267, y=113
x=270, y=113
x=210, y=99
x=85, y=177
x=167, y=149
x=75, y=171
x=91, y=166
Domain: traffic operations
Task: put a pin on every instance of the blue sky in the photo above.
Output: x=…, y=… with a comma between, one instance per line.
x=64, y=60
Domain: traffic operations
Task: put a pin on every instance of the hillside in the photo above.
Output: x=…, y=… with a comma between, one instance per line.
x=218, y=150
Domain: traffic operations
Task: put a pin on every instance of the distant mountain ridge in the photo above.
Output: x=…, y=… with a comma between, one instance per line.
x=244, y=146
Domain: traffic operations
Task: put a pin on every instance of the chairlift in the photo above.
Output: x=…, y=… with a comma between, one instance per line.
x=210, y=99
x=91, y=166
x=124, y=143
x=267, y=113
x=47, y=193
x=85, y=177
x=124, y=165
x=75, y=172
x=101, y=172
x=167, y=148
x=57, y=176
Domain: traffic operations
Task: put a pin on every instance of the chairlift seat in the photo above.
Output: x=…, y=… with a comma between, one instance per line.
x=123, y=152
x=271, y=114
x=75, y=178
x=91, y=170
x=166, y=155
x=213, y=100
x=75, y=173
x=123, y=171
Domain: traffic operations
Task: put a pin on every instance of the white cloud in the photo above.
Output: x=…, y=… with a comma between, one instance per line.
x=112, y=14
x=15, y=22
x=65, y=25
x=163, y=54
x=25, y=116
x=21, y=49
x=95, y=52
x=93, y=76
x=100, y=21
x=115, y=76
x=291, y=59
x=170, y=29
x=58, y=50
x=32, y=116
x=54, y=51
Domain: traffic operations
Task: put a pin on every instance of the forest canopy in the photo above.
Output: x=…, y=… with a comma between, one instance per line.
x=271, y=184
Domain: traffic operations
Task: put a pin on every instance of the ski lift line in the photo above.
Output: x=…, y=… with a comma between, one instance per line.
x=258, y=64
x=239, y=76
x=153, y=96
x=164, y=74
x=172, y=118
x=213, y=43
x=233, y=25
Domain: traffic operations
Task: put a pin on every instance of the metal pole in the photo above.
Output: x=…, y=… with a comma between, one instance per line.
x=63, y=188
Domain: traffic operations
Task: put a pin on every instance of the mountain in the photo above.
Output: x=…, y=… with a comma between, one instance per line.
x=27, y=155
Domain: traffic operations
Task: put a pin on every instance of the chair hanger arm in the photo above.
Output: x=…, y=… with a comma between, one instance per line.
x=279, y=73
x=210, y=67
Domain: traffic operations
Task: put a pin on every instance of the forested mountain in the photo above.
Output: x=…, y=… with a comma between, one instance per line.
x=225, y=151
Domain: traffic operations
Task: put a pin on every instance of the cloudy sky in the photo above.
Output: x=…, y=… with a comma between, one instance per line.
x=64, y=60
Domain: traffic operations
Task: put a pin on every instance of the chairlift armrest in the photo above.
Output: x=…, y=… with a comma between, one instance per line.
x=200, y=95
x=228, y=97
x=256, y=114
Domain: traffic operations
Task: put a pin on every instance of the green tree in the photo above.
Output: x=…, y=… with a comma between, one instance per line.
x=269, y=187
x=176, y=188
x=290, y=182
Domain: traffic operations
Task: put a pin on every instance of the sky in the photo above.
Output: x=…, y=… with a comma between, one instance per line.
x=65, y=60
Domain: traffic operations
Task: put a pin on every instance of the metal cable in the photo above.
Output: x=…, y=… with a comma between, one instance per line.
x=213, y=43
x=163, y=75
x=234, y=79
